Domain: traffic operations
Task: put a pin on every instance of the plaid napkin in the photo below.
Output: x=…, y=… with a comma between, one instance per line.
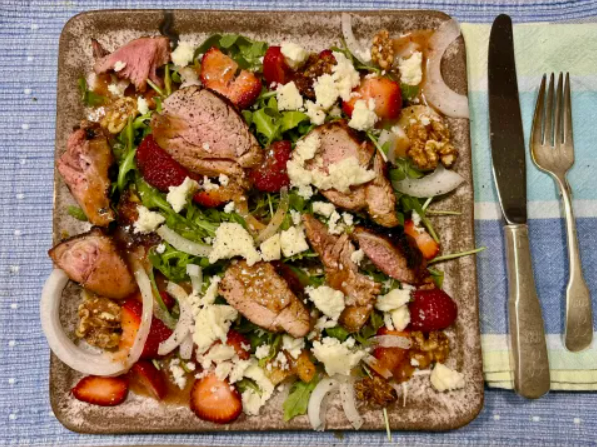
x=540, y=48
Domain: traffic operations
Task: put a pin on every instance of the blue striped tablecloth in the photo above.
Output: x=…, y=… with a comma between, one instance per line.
x=29, y=32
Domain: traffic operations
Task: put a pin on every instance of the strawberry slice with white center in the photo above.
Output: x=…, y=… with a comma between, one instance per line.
x=386, y=94
x=102, y=391
x=215, y=400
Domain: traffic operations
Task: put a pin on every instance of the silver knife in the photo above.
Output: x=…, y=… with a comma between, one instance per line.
x=527, y=335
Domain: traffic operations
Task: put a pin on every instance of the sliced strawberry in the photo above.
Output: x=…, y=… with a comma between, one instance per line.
x=219, y=73
x=429, y=248
x=215, y=400
x=103, y=391
x=157, y=167
x=169, y=302
x=271, y=175
x=431, y=310
x=240, y=343
x=150, y=378
x=386, y=94
x=275, y=68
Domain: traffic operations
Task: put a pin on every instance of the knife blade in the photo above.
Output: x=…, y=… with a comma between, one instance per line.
x=529, y=358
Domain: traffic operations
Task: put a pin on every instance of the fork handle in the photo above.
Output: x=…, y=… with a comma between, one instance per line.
x=527, y=335
x=578, y=329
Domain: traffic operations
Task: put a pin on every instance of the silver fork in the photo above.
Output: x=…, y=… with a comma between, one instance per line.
x=552, y=150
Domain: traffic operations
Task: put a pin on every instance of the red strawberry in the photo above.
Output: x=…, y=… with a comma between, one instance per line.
x=168, y=300
x=391, y=359
x=150, y=378
x=431, y=310
x=275, y=68
x=429, y=248
x=271, y=175
x=215, y=400
x=218, y=73
x=103, y=391
x=240, y=343
x=386, y=94
x=157, y=167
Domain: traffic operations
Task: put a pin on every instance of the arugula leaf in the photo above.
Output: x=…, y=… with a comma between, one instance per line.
x=370, y=329
x=292, y=119
x=337, y=332
x=404, y=169
x=151, y=197
x=248, y=384
x=270, y=124
x=409, y=92
x=274, y=347
x=437, y=276
x=77, y=213
x=89, y=97
x=298, y=399
x=247, y=53
x=173, y=263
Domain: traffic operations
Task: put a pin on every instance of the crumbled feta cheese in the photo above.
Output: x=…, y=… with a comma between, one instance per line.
x=233, y=240
x=305, y=191
x=147, y=221
x=229, y=207
x=387, y=321
x=208, y=185
x=270, y=248
x=306, y=147
x=91, y=80
x=294, y=54
x=295, y=216
x=414, y=362
x=280, y=362
x=357, y=256
x=334, y=227
x=189, y=77
x=416, y=218
x=324, y=208
x=253, y=401
x=400, y=318
x=119, y=65
x=289, y=97
x=345, y=76
x=392, y=300
x=178, y=374
x=326, y=92
x=223, y=370
x=294, y=346
x=343, y=174
x=363, y=116
x=446, y=379
x=177, y=195
x=411, y=71
x=224, y=179
x=183, y=54
x=161, y=248
x=337, y=357
x=324, y=323
x=142, y=105
x=117, y=89
x=262, y=351
x=315, y=113
x=335, y=112
x=292, y=241
x=212, y=323
x=329, y=301
x=348, y=219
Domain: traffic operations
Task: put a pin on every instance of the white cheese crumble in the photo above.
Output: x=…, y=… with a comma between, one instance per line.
x=446, y=379
x=411, y=71
x=289, y=97
x=357, y=256
x=329, y=301
x=183, y=55
x=223, y=179
x=392, y=300
x=207, y=184
x=294, y=346
x=161, y=248
x=326, y=92
x=177, y=195
x=212, y=323
x=270, y=248
x=294, y=54
x=147, y=221
x=117, y=89
x=262, y=351
x=363, y=115
x=119, y=65
x=178, y=374
x=233, y=240
x=334, y=227
x=142, y=105
x=252, y=400
x=400, y=318
x=229, y=207
x=189, y=77
x=337, y=357
x=292, y=241
x=306, y=147
x=323, y=208
x=295, y=216
x=315, y=113
x=416, y=218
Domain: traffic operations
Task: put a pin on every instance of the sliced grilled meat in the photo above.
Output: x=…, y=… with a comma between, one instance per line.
x=342, y=273
x=92, y=259
x=393, y=252
x=84, y=168
x=264, y=298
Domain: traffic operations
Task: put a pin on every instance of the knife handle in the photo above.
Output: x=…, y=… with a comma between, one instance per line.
x=527, y=335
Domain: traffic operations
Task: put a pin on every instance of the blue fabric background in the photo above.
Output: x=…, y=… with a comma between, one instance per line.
x=29, y=34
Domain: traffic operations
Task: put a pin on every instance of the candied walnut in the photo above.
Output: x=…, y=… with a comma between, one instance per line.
x=382, y=50
x=430, y=144
x=316, y=65
x=127, y=214
x=430, y=348
x=375, y=391
x=118, y=113
x=99, y=321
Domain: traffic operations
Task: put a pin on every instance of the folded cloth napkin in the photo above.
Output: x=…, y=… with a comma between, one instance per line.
x=540, y=48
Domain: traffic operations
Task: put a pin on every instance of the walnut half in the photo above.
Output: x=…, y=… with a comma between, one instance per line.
x=99, y=321
x=430, y=144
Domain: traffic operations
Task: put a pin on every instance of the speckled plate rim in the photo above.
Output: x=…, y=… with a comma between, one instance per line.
x=426, y=410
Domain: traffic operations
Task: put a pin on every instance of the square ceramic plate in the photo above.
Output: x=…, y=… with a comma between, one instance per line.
x=425, y=409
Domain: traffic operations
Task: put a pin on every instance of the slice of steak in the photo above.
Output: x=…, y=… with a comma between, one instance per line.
x=379, y=196
x=84, y=168
x=93, y=260
x=141, y=58
x=264, y=298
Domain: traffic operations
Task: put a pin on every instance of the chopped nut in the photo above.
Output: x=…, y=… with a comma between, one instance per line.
x=316, y=65
x=99, y=321
x=382, y=50
x=435, y=347
x=430, y=144
x=375, y=391
x=118, y=113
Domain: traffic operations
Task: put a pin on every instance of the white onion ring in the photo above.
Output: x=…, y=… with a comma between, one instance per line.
x=243, y=210
x=277, y=219
x=441, y=181
x=182, y=244
x=349, y=405
x=316, y=407
x=86, y=362
x=358, y=50
x=196, y=274
x=436, y=92
x=374, y=364
x=182, y=329
x=392, y=341
x=389, y=137
x=186, y=348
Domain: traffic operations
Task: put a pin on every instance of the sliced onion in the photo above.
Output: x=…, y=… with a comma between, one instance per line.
x=277, y=219
x=243, y=210
x=181, y=331
x=436, y=92
x=359, y=51
x=374, y=364
x=393, y=341
x=86, y=362
x=401, y=389
x=349, y=404
x=146, y=317
x=176, y=291
x=441, y=181
x=186, y=348
x=316, y=407
x=196, y=275
x=182, y=244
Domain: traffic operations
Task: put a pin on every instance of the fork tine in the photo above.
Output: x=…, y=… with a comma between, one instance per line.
x=558, y=135
x=536, y=132
x=567, y=112
x=548, y=128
